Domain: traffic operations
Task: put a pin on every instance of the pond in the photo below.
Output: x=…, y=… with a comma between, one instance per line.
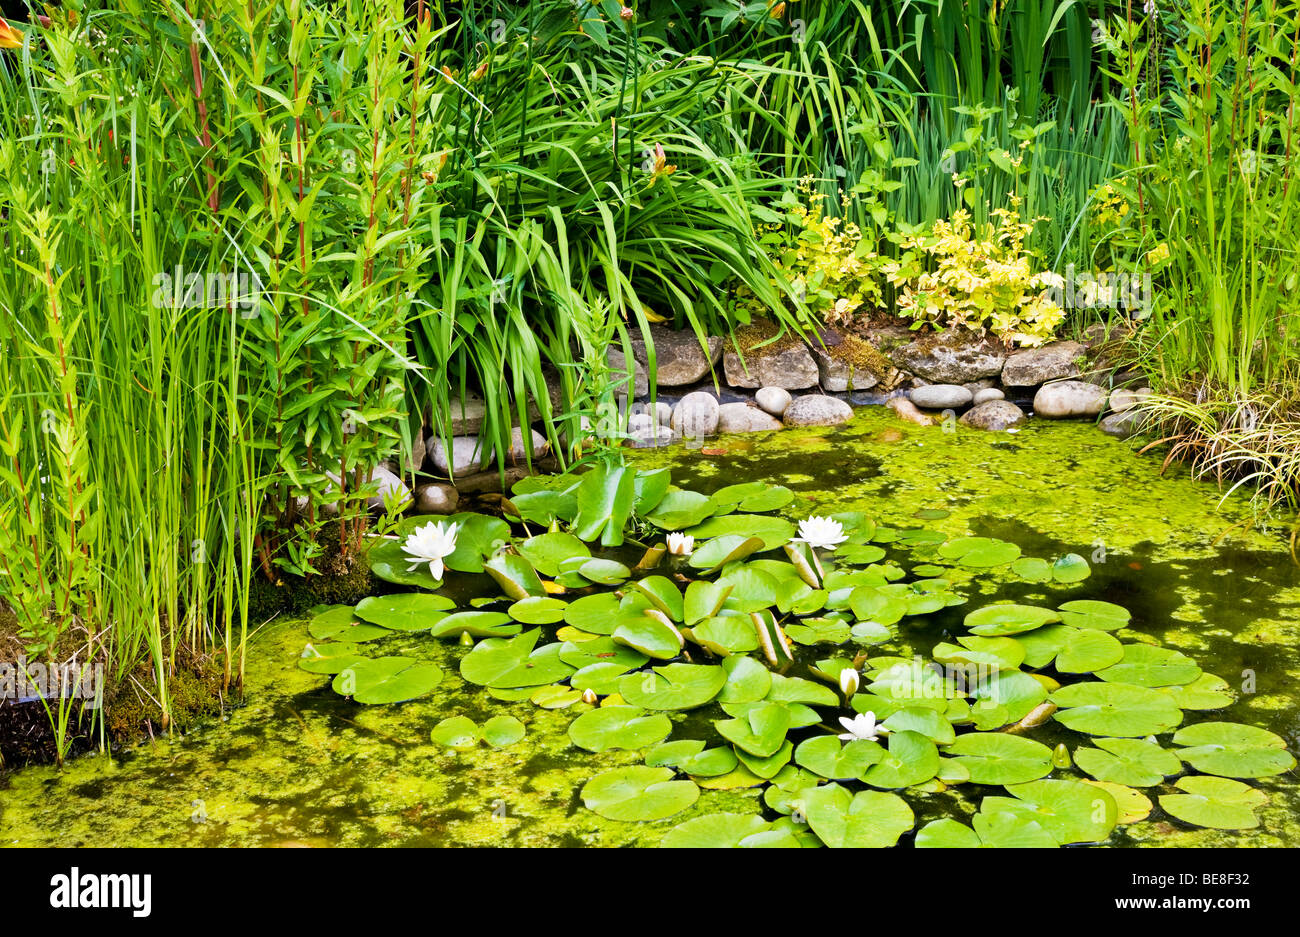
x=302, y=766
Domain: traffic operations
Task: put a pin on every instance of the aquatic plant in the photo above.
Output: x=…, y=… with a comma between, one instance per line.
x=734, y=632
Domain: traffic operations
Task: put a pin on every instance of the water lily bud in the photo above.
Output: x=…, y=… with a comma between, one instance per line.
x=680, y=544
x=466, y=639
x=1061, y=756
x=848, y=681
x=589, y=696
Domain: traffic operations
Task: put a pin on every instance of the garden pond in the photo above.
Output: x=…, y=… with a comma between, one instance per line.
x=484, y=762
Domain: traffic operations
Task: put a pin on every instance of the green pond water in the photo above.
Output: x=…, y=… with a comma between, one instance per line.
x=301, y=766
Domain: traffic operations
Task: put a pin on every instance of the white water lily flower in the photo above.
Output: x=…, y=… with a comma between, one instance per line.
x=862, y=727
x=848, y=681
x=821, y=532
x=680, y=544
x=430, y=544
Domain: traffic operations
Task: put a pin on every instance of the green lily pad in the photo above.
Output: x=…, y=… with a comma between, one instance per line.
x=600, y=650
x=996, y=830
x=1218, y=803
x=547, y=551
x=826, y=756
x=999, y=758
x=768, y=766
x=996, y=620
x=1003, y=697
x=387, y=680
x=603, y=612
x=866, y=820
x=1032, y=569
x=611, y=727
x=911, y=759
x=605, y=572
x=702, y=600
x=924, y=721
x=513, y=662
x=719, y=551
x=775, y=532
x=761, y=732
x=329, y=657
x=1115, y=709
x=638, y=793
x=515, y=575
x=673, y=686
x=405, y=611
x=726, y=635
x=606, y=497
x=1145, y=665
x=748, y=681
x=1073, y=812
x=1233, y=750
x=1000, y=653
x=1090, y=613
x=476, y=624
x=679, y=509
x=1131, y=762
x=538, y=610
x=554, y=696
x=338, y=622
x=503, y=731
x=458, y=732
x=981, y=552
x=727, y=831
x=1071, y=568
x=818, y=631
x=1205, y=692
x=650, y=636
x=1086, y=650
x=663, y=595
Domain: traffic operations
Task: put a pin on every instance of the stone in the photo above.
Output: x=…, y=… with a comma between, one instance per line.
x=436, y=498
x=773, y=399
x=1028, y=367
x=985, y=394
x=653, y=436
x=951, y=357
x=663, y=412
x=466, y=415
x=388, y=483
x=518, y=452
x=791, y=367
x=976, y=386
x=940, y=396
x=993, y=415
x=1123, y=424
x=485, y=482
x=696, y=415
x=641, y=423
x=908, y=411
x=1121, y=398
x=745, y=418
x=817, y=410
x=837, y=376
x=617, y=362
x=679, y=359
x=465, y=456
x=1069, y=398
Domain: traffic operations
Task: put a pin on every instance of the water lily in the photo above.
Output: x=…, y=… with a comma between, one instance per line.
x=430, y=544
x=823, y=532
x=589, y=696
x=680, y=544
x=10, y=38
x=861, y=727
x=848, y=682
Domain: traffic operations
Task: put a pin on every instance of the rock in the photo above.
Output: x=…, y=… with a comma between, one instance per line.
x=419, y=450
x=1123, y=423
x=1121, y=398
x=908, y=411
x=663, y=412
x=1030, y=366
x=837, y=375
x=465, y=456
x=483, y=482
x=641, y=423
x=993, y=415
x=617, y=362
x=744, y=418
x=679, y=359
x=518, y=451
x=388, y=483
x=792, y=367
x=653, y=436
x=817, y=410
x=939, y=396
x=436, y=498
x=976, y=386
x=466, y=415
x=773, y=399
x=951, y=357
x=696, y=415
x=1069, y=398
x=985, y=394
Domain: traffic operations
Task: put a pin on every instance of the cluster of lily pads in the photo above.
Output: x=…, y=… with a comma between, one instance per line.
x=773, y=633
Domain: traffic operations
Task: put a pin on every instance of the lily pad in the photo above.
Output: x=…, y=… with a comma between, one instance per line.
x=387, y=680
x=1218, y=803
x=996, y=620
x=513, y=662
x=999, y=758
x=650, y=636
x=726, y=831
x=719, y=551
x=329, y=657
x=538, y=610
x=475, y=624
x=1115, y=709
x=1131, y=762
x=826, y=756
x=726, y=635
x=404, y=611
x=679, y=509
x=605, y=572
x=866, y=820
x=638, y=793
x=458, y=732
x=1086, y=650
x=1145, y=665
x=503, y=731
x=674, y=686
x=1090, y=613
x=911, y=759
x=1073, y=812
x=773, y=531
x=981, y=552
x=547, y=551
x=1233, y=750
x=1071, y=568
x=609, y=727
x=339, y=623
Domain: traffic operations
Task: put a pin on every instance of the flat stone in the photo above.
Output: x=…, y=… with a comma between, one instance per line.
x=951, y=357
x=436, y=498
x=653, y=436
x=907, y=410
x=993, y=415
x=696, y=415
x=1069, y=398
x=837, y=376
x=518, y=451
x=817, y=410
x=1121, y=398
x=482, y=482
x=1122, y=424
x=773, y=399
x=985, y=394
x=679, y=358
x=1028, y=367
x=940, y=396
x=465, y=456
x=744, y=418
x=617, y=362
x=792, y=367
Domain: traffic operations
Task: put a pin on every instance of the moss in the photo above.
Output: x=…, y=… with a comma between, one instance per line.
x=343, y=579
x=764, y=333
